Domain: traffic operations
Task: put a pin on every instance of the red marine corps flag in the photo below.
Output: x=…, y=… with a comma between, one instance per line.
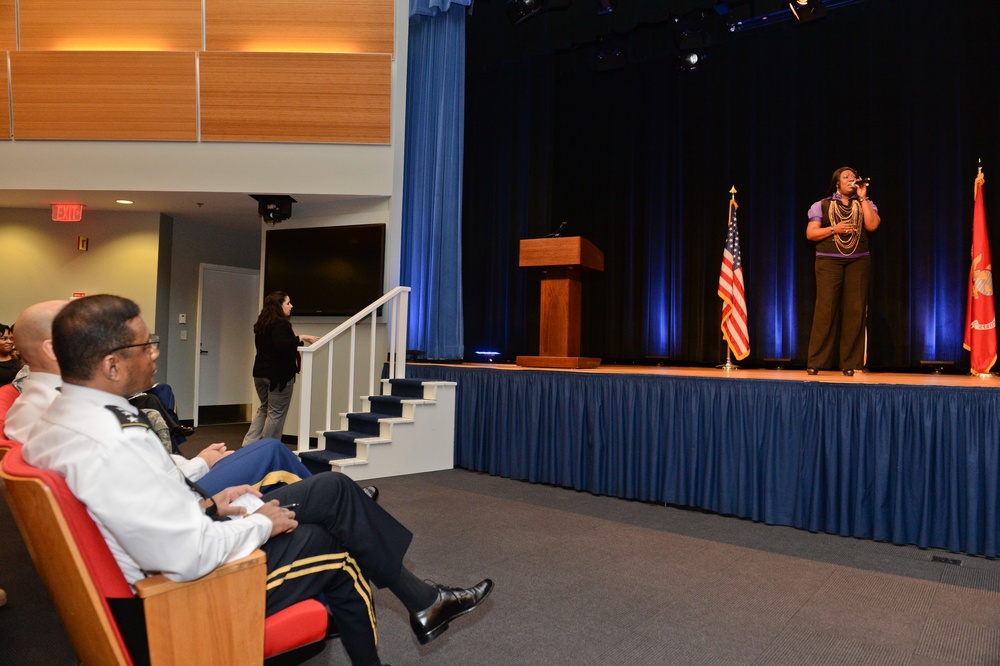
x=980, y=318
x=734, y=305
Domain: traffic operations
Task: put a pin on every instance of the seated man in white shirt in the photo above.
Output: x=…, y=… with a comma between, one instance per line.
x=334, y=542
x=265, y=464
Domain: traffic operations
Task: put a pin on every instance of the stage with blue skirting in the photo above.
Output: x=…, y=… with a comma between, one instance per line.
x=910, y=459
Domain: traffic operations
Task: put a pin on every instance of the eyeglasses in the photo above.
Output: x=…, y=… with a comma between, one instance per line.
x=153, y=343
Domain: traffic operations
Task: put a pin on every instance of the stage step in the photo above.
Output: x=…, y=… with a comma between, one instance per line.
x=408, y=429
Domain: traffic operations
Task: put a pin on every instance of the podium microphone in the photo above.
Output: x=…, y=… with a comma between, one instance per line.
x=557, y=232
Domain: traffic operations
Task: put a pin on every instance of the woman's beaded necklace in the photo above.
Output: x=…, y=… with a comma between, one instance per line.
x=849, y=212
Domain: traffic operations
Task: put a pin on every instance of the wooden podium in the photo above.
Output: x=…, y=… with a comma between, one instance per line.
x=559, y=331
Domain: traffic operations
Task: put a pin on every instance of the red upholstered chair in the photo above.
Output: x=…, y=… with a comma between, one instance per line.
x=217, y=619
x=8, y=394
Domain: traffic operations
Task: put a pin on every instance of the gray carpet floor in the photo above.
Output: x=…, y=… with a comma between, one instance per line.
x=583, y=580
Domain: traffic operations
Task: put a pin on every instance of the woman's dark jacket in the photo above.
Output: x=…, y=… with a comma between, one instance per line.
x=277, y=354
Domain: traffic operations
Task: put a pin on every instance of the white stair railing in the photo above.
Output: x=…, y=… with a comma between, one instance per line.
x=396, y=303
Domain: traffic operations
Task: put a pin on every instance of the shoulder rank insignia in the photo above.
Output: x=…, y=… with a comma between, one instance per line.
x=128, y=419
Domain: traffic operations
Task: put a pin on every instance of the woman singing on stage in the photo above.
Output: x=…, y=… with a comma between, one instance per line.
x=840, y=224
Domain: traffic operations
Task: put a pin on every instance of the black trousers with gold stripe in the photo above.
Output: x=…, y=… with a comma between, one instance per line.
x=343, y=540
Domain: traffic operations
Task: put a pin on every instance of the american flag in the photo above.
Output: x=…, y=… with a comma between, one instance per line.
x=734, y=305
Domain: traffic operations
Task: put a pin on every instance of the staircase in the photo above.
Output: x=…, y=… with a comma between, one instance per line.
x=410, y=428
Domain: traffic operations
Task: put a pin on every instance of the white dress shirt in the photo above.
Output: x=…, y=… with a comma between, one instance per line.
x=133, y=490
x=38, y=392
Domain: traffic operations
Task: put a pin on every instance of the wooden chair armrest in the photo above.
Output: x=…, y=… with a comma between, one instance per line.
x=160, y=584
x=217, y=619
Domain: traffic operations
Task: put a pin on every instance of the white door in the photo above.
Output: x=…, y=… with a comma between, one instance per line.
x=228, y=305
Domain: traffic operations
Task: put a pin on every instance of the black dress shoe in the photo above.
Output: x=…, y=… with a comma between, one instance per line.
x=182, y=431
x=812, y=371
x=452, y=602
x=848, y=372
x=372, y=492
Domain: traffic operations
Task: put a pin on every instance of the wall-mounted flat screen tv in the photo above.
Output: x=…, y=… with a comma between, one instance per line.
x=327, y=271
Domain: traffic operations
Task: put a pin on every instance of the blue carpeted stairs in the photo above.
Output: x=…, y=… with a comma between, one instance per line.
x=340, y=444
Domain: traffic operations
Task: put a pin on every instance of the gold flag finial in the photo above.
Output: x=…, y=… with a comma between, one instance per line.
x=732, y=191
x=980, y=178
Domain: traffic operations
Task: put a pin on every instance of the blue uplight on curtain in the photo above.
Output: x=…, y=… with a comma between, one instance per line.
x=431, y=261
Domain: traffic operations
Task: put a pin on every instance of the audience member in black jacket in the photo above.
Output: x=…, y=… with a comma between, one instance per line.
x=275, y=365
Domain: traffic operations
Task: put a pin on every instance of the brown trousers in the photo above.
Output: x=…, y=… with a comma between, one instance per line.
x=841, y=312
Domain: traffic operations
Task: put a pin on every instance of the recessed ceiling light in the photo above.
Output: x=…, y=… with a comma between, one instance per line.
x=124, y=201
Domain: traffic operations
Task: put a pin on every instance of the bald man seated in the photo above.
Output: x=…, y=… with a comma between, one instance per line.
x=266, y=464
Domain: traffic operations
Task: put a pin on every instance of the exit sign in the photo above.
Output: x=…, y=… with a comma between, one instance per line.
x=67, y=212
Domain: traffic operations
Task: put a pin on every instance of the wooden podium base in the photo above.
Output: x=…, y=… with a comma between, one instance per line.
x=576, y=362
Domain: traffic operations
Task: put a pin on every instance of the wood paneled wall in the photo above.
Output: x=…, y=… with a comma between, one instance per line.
x=8, y=25
x=110, y=25
x=69, y=95
x=4, y=103
x=309, y=71
x=320, y=26
x=295, y=97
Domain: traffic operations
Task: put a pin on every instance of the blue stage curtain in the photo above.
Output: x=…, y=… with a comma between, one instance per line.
x=433, y=8
x=907, y=464
x=431, y=262
x=639, y=155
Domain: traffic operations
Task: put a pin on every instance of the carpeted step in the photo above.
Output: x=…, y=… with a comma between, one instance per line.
x=319, y=461
x=386, y=405
x=365, y=423
x=407, y=388
x=342, y=441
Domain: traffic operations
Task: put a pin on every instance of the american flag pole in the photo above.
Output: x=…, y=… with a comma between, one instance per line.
x=728, y=365
x=734, y=322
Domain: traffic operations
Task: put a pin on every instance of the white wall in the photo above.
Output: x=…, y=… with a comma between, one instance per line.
x=195, y=244
x=41, y=261
x=122, y=166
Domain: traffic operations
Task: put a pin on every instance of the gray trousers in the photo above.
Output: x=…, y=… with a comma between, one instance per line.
x=269, y=421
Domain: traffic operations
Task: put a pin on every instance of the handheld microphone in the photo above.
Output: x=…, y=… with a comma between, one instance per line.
x=862, y=181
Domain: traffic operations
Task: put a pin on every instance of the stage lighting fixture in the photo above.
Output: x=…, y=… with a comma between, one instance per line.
x=521, y=10
x=605, y=7
x=807, y=10
x=937, y=367
x=692, y=60
x=274, y=208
